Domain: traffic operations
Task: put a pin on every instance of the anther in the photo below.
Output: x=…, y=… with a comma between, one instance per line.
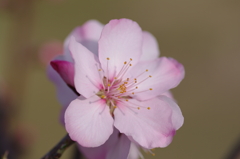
x=125, y=62
x=150, y=76
x=136, y=87
x=132, y=92
x=146, y=70
x=150, y=89
x=148, y=108
x=99, y=69
x=130, y=59
x=138, y=108
x=114, y=106
x=130, y=64
x=126, y=100
x=108, y=58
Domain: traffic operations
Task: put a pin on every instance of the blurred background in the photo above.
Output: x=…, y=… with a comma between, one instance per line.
x=204, y=35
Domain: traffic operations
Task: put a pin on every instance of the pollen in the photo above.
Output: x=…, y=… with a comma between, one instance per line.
x=103, y=96
x=108, y=58
x=125, y=62
x=148, y=108
x=138, y=108
x=146, y=70
x=150, y=89
x=114, y=106
x=109, y=84
x=130, y=59
x=150, y=76
x=126, y=100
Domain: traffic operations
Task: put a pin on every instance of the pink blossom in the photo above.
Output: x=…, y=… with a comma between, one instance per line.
x=122, y=91
x=88, y=35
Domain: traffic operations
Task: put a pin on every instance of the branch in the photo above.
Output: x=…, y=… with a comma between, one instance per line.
x=59, y=149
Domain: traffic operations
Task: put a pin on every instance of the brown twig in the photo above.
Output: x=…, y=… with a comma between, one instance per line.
x=57, y=151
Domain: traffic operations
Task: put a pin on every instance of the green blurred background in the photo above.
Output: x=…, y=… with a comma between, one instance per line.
x=204, y=35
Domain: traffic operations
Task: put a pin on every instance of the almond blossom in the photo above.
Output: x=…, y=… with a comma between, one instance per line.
x=121, y=91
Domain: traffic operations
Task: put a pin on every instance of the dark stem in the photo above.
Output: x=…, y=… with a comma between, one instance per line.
x=59, y=149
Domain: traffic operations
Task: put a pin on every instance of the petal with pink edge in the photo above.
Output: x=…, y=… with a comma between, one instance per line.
x=150, y=125
x=87, y=78
x=150, y=50
x=65, y=69
x=177, y=117
x=89, y=122
x=121, y=40
x=155, y=77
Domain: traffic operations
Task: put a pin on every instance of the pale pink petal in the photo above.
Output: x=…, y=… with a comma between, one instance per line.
x=168, y=94
x=121, y=149
x=150, y=127
x=65, y=69
x=89, y=122
x=162, y=74
x=134, y=152
x=64, y=94
x=102, y=151
x=88, y=35
x=177, y=117
x=120, y=41
x=150, y=50
x=87, y=79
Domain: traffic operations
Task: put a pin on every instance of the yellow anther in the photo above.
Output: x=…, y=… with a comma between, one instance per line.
x=150, y=89
x=130, y=59
x=153, y=154
x=108, y=58
x=138, y=108
x=109, y=84
x=115, y=77
x=150, y=76
x=127, y=100
x=125, y=62
x=146, y=70
x=135, y=79
x=132, y=92
x=119, y=97
x=130, y=64
x=136, y=87
x=99, y=69
x=103, y=96
x=148, y=108
x=114, y=106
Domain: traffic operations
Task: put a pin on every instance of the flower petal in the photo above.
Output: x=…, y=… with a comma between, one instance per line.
x=150, y=127
x=64, y=94
x=88, y=35
x=177, y=117
x=65, y=69
x=121, y=149
x=162, y=74
x=134, y=152
x=89, y=122
x=120, y=41
x=150, y=50
x=101, y=151
x=87, y=79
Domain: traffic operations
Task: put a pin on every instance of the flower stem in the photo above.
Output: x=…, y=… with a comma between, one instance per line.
x=57, y=151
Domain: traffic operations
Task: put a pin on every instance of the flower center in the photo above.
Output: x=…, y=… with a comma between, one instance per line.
x=120, y=88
